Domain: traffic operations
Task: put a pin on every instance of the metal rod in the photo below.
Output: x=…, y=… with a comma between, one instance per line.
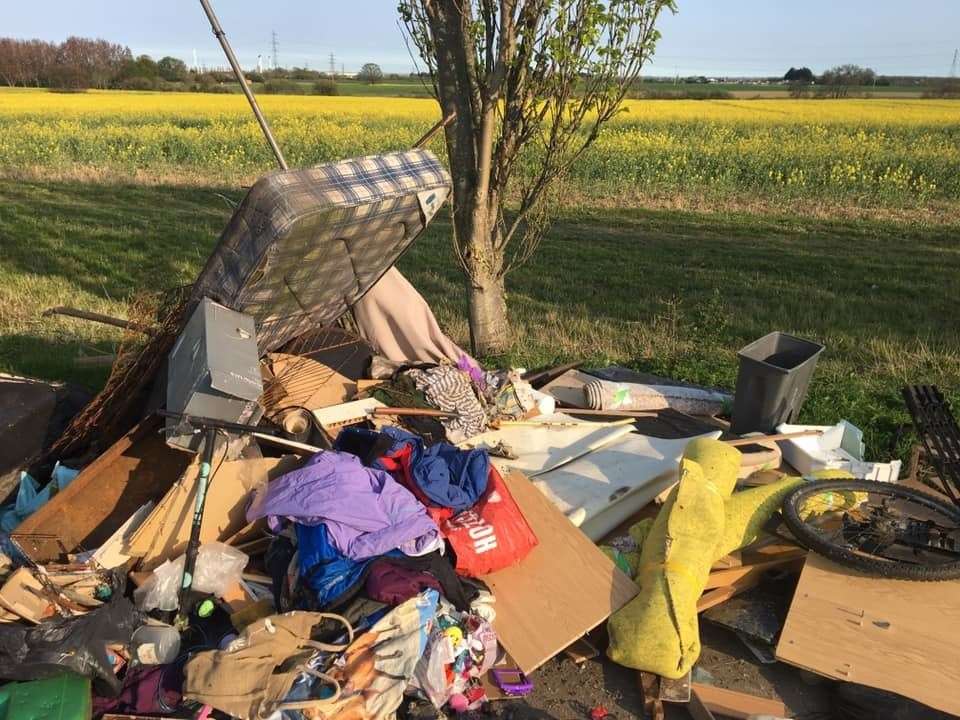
x=232, y=59
x=193, y=546
x=205, y=422
x=428, y=136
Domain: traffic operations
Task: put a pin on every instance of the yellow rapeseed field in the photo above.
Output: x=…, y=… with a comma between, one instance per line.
x=890, y=150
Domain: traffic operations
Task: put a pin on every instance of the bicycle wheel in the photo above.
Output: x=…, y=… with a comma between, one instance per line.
x=878, y=528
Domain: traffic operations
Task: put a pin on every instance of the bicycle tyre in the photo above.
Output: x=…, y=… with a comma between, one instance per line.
x=871, y=565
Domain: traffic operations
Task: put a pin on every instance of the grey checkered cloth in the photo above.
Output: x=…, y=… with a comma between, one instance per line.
x=305, y=245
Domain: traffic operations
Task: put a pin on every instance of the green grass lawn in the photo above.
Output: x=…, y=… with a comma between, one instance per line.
x=663, y=291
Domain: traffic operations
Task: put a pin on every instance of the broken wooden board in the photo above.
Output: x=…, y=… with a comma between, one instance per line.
x=294, y=381
x=730, y=576
x=164, y=534
x=719, y=595
x=139, y=467
x=896, y=635
x=112, y=554
x=581, y=651
x=563, y=589
x=22, y=595
x=733, y=704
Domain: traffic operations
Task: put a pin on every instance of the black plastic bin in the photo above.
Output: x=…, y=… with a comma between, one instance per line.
x=772, y=383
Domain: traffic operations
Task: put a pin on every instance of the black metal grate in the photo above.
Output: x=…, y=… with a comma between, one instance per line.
x=938, y=430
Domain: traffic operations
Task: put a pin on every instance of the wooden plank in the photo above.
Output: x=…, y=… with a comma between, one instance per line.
x=896, y=635
x=139, y=467
x=719, y=595
x=580, y=651
x=563, y=589
x=729, y=576
x=737, y=704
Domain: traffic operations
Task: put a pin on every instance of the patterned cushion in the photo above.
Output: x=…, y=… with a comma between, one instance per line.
x=304, y=245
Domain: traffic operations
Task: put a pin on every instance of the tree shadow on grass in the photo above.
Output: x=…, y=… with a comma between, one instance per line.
x=110, y=240
x=37, y=357
x=751, y=273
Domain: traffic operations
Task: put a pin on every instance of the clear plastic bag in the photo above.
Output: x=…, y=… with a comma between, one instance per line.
x=218, y=567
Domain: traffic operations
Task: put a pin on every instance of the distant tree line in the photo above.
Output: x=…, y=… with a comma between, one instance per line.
x=79, y=64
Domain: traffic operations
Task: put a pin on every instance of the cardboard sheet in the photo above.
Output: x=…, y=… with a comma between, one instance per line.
x=113, y=553
x=895, y=635
x=545, y=447
x=165, y=532
x=563, y=589
x=19, y=596
x=600, y=490
x=293, y=381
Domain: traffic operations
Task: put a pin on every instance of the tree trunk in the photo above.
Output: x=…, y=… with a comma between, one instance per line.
x=489, y=327
x=486, y=294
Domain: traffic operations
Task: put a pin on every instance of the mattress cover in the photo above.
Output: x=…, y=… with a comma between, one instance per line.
x=304, y=245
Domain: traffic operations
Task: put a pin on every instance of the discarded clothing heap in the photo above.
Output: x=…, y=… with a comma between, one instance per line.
x=365, y=511
x=483, y=524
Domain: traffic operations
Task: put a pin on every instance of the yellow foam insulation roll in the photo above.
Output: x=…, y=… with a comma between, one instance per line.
x=749, y=510
x=658, y=631
x=700, y=522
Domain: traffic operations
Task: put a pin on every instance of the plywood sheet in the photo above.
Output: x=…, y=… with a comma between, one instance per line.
x=564, y=588
x=139, y=467
x=895, y=635
x=541, y=445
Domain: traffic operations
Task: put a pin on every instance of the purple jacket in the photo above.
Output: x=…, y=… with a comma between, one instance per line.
x=367, y=512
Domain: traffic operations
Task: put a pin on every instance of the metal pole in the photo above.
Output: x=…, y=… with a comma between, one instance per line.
x=232, y=59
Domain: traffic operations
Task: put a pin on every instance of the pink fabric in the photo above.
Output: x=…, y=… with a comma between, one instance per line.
x=398, y=322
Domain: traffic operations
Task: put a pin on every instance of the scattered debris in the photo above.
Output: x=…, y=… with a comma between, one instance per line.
x=388, y=519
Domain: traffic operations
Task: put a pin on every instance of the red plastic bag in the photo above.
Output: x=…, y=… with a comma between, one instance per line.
x=491, y=535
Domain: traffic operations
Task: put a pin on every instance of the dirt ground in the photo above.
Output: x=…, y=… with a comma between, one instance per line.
x=564, y=690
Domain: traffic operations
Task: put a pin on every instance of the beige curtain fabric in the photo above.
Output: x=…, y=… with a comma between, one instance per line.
x=398, y=322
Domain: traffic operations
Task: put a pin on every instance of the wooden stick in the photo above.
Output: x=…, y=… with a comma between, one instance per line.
x=298, y=447
x=730, y=576
x=418, y=412
x=428, y=136
x=737, y=704
x=562, y=423
x=767, y=438
x=97, y=317
x=608, y=413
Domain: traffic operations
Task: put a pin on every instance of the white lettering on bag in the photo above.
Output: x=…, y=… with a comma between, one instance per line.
x=482, y=533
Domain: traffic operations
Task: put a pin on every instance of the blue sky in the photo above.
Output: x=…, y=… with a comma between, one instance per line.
x=711, y=37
